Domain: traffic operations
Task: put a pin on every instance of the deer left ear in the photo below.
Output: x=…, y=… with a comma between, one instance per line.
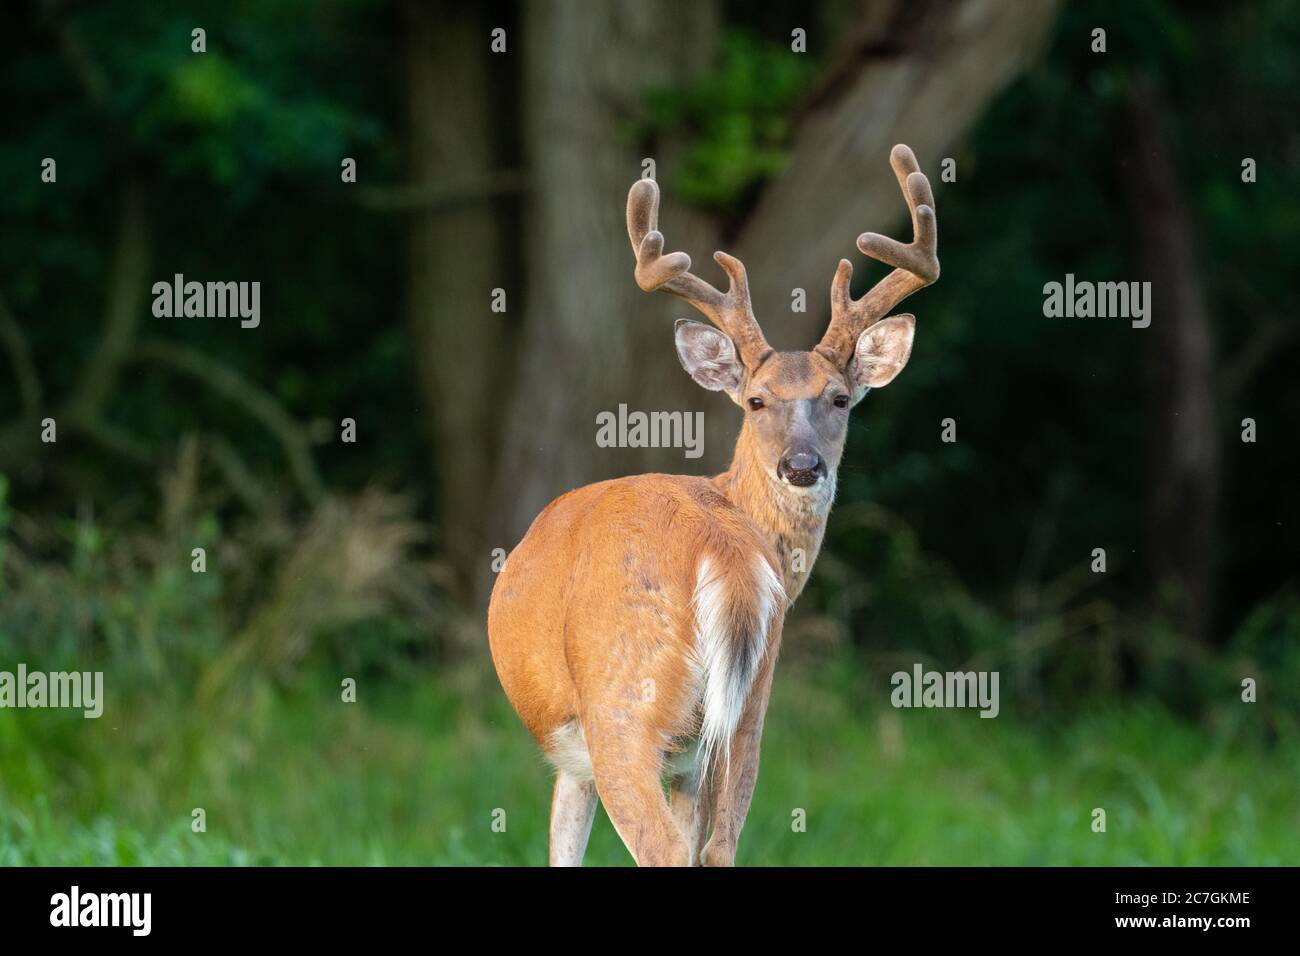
x=882, y=351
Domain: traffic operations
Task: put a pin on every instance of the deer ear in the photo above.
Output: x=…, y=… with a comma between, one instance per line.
x=709, y=356
x=881, y=352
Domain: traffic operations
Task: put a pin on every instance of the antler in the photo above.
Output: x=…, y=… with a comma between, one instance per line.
x=916, y=265
x=732, y=312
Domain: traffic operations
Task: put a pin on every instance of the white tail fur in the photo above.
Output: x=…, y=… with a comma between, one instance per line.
x=733, y=615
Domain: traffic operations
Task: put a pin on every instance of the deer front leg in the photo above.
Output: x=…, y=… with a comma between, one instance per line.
x=730, y=790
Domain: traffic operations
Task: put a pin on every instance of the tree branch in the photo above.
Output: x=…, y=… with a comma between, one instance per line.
x=85, y=406
x=114, y=438
x=84, y=68
x=1270, y=335
x=238, y=475
x=127, y=281
x=257, y=402
x=20, y=355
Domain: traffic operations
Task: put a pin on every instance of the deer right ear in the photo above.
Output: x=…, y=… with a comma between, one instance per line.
x=709, y=356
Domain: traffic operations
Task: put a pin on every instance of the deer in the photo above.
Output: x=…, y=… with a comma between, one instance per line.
x=635, y=628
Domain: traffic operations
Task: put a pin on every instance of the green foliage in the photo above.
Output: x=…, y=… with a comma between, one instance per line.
x=238, y=150
x=735, y=120
x=412, y=773
x=276, y=590
x=1266, y=649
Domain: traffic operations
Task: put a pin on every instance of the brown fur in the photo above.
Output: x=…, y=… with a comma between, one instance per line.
x=556, y=636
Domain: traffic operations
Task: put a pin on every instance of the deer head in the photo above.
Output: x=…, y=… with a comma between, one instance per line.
x=796, y=403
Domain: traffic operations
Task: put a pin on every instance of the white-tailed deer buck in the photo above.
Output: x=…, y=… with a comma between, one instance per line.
x=636, y=626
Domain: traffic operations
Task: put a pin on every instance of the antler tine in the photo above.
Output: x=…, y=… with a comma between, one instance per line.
x=916, y=264
x=731, y=312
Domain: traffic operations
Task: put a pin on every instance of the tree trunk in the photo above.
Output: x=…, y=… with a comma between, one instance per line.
x=1182, y=451
x=916, y=73
x=588, y=328
x=456, y=257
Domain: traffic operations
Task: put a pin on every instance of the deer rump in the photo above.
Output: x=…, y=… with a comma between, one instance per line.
x=642, y=603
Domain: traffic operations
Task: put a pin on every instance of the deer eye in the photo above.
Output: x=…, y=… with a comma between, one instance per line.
x=755, y=403
x=841, y=401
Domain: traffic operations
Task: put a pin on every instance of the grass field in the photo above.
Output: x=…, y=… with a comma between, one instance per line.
x=414, y=772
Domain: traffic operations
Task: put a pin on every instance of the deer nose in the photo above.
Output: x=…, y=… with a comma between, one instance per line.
x=801, y=468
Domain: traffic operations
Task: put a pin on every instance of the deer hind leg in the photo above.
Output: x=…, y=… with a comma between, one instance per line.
x=731, y=780
x=628, y=764
x=691, y=811
x=573, y=807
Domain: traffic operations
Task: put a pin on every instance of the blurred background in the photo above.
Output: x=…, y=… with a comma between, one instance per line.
x=481, y=170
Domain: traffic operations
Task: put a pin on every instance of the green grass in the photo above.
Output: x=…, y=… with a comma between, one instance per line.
x=413, y=773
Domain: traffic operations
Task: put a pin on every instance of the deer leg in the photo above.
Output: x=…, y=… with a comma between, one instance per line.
x=628, y=765
x=691, y=811
x=573, y=807
x=731, y=783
